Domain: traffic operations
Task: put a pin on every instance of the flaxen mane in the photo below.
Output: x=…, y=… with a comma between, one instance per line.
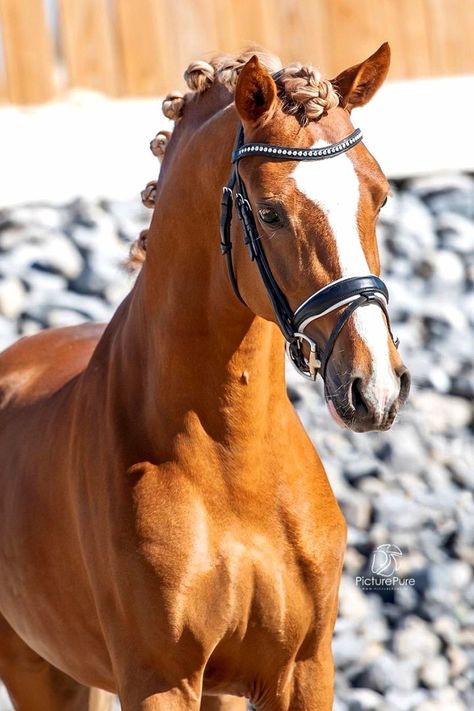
x=301, y=88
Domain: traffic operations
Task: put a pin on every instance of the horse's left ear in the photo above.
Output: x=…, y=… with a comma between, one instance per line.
x=255, y=93
x=357, y=85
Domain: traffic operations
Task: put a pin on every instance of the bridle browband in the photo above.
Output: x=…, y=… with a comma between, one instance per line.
x=350, y=292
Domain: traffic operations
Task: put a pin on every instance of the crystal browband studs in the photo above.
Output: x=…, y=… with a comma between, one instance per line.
x=281, y=151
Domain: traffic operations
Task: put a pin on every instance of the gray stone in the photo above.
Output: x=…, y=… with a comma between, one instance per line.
x=364, y=700
x=447, y=315
x=448, y=581
x=29, y=327
x=443, y=413
x=357, y=510
x=47, y=216
x=443, y=700
x=435, y=673
x=446, y=270
x=12, y=297
x=347, y=649
x=463, y=385
x=57, y=318
x=414, y=231
x=459, y=660
x=457, y=232
x=399, y=512
x=407, y=450
x=60, y=255
x=5, y=703
x=353, y=604
x=415, y=641
x=361, y=467
x=442, y=185
x=386, y=672
x=41, y=285
x=18, y=261
x=406, y=598
x=447, y=628
x=91, y=309
x=8, y=332
x=399, y=700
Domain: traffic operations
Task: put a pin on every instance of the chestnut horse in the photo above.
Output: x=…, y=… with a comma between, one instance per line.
x=167, y=530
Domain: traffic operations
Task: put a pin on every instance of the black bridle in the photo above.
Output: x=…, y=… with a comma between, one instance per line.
x=351, y=292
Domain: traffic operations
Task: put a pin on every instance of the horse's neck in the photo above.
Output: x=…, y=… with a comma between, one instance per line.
x=207, y=366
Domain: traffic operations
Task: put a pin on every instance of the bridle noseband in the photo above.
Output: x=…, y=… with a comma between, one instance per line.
x=351, y=292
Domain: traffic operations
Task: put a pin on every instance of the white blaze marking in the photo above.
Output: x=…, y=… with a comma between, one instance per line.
x=333, y=185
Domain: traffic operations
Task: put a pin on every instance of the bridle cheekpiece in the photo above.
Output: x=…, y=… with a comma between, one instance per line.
x=350, y=292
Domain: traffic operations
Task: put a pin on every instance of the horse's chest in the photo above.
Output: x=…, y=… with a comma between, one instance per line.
x=263, y=588
x=242, y=585
x=224, y=575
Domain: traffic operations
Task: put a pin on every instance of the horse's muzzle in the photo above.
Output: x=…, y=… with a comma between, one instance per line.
x=363, y=405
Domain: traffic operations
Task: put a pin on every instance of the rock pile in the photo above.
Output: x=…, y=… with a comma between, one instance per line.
x=412, y=648
x=62, y=265
x=400, y=649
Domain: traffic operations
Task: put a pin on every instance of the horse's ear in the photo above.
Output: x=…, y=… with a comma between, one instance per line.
x=255, y=93
x=357, y=85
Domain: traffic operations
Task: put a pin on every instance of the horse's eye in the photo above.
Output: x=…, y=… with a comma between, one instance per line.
x=384, y=202
x=266, y=214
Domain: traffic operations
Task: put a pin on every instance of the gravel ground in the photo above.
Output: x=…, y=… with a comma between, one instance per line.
x=401, y=647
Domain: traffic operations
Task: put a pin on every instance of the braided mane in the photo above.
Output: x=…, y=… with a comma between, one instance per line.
x=302, y=90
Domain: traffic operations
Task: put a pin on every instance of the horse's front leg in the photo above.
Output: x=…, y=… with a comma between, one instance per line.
x=171, y=700
x=223, y=703
x=308, y=683
x=313, y=688
x=150, y=693
x=310, y=687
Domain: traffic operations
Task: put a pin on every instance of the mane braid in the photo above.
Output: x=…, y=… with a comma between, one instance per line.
x=301, y=88
x=304, y=93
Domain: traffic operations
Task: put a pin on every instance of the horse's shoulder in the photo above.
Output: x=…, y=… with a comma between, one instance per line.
x=42, y=363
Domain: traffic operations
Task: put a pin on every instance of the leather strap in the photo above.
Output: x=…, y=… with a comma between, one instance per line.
x=363, y=300
x=280, y=305
x=336, y=294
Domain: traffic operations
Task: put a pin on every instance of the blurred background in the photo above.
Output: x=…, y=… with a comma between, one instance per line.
x=81, y=83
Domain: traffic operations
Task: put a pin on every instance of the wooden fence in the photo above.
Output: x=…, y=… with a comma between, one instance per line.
x=141, y=47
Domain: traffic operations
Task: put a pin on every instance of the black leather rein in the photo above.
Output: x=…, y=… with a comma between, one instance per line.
x=350, y=292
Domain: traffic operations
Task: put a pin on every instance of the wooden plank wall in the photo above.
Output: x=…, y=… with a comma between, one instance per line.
x=141, y=47
x=87, y=44
x=27, y=51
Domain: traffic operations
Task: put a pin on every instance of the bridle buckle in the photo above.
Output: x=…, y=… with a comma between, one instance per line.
x=310, y=366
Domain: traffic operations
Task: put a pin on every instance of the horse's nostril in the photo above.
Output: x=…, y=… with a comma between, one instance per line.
x=357, y=398
x=405, y=381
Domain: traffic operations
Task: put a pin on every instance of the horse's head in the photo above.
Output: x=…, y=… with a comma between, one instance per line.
x=316, y=220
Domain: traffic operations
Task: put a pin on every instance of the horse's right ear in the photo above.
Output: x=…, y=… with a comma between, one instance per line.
x=255, y=93
x=357, y=85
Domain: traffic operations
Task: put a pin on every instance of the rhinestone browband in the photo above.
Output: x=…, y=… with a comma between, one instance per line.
x=286, y=153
